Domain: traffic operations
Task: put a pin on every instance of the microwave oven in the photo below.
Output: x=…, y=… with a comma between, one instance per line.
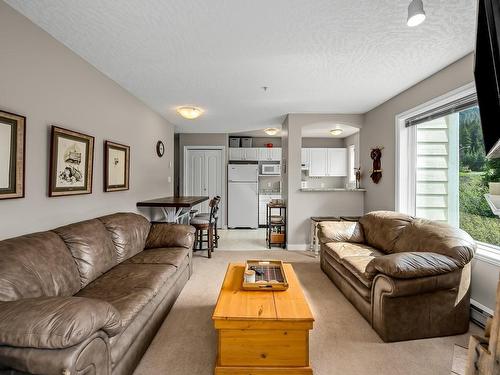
x=271, y=169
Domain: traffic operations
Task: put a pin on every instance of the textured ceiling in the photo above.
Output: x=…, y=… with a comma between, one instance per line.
x=324, y=56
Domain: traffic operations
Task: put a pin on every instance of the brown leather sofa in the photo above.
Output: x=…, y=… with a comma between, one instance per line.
x=408, y=277
x=88, y=298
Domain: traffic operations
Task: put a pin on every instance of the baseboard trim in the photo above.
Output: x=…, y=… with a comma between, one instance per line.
x=297, y=247
x=479, y=313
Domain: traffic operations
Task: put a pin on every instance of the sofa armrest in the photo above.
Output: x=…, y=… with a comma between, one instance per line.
x=412, y=265
x=340, y=231
x=91, y=356
x=55, y=322
x=170, y=235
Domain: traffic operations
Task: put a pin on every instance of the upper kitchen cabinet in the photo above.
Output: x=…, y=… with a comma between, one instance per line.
x=243, y=154
x=269, y=153
x=326, y=162
x=337, y=162
x=318, y=162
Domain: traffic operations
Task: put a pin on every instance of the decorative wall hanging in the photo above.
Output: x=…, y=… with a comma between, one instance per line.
x=160, y=148
x=376, y=173
x=71, y=163
x=12, y=155
x=116, y=166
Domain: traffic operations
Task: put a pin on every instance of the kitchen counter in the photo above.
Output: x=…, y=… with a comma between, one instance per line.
x=332, y=189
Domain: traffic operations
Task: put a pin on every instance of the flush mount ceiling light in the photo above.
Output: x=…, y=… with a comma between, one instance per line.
x=416, y=13
x=190, y=113
x=271, y=131
x=336, y=131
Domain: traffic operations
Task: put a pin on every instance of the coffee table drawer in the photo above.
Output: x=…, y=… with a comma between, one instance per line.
x=263, y=347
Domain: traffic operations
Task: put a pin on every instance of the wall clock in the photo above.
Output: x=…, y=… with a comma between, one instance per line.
x=160, y=148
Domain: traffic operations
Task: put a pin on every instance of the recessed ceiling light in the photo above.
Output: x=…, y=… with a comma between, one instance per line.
x=416, y=13
x=271, y=131
x=336, y=131
x=189, y=113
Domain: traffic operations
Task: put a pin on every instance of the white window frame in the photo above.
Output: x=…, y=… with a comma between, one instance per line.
x=406, y=162
x=351, y=164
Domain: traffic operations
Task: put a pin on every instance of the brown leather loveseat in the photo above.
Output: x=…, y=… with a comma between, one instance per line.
x=408, y=277
x=88, y=298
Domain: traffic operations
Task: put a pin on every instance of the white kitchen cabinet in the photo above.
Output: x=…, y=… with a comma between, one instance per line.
x=251, y=154
x=269, y=153
x=318, y=162
x=304, y=157
x=337, y=162
x=241, y=153
x=236, y=153
x=327, y=162
x=264, y=199
x=276, y=154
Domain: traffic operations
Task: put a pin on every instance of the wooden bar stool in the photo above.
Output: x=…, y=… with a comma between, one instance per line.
x=205, y=229
x=206, y=215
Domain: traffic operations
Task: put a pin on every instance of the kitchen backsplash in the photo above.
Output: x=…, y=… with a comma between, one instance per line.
x=324, y=182
x=269, y=184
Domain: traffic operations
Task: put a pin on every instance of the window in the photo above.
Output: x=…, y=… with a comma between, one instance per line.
x=443, y=172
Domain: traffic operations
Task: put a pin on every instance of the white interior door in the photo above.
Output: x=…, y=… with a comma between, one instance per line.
x=204, y=176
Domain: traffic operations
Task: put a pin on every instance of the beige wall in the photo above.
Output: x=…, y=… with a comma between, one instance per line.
x=303, y=205
x=46, y=82
x=311, y=142
x=261, y=141
x=379, y=128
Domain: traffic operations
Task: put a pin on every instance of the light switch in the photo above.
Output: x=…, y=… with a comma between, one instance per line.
x=169, y=179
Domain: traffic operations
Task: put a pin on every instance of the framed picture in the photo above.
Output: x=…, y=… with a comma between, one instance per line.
x=71, y=163
x=12, y=153
x=116, y=166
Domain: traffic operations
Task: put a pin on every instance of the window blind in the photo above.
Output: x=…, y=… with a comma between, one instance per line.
x=462, y=104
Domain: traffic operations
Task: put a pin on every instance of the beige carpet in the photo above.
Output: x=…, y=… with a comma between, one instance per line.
x=342, y=342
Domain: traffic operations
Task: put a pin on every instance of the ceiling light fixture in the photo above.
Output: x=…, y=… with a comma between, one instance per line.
x=336, y=131
x=190, y=113
x=416, y=13
x=271, y=131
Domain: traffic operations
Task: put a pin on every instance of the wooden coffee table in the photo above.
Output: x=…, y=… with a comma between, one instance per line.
x=262, y=332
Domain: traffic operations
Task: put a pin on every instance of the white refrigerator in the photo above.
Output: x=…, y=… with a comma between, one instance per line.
x=243, y=196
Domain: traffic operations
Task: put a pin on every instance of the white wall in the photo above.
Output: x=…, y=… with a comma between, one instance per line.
x=46, y=82
x=303, y=205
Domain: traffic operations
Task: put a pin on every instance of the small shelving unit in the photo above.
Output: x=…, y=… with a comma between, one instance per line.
x=276, y=224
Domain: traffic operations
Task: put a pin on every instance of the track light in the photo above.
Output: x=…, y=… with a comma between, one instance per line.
x=416, y=13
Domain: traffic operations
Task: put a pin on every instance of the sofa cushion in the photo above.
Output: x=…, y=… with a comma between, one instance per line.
x=340, y=231
x=430, y=236
x=36, y=265
x=129, y=287
x=172, y=255
x=348, y=277
x=340, y=250
x=170, y=235
x=357, y=265
x=91, y=246
x=128, y=232
x=382, y=228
